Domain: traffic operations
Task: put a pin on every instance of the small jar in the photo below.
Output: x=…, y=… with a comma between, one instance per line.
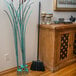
x=48, y=18
x=43, y=16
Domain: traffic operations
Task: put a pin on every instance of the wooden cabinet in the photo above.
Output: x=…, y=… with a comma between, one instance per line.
x=57, y=45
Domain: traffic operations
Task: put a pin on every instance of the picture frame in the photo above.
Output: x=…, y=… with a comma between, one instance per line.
x=64, y=5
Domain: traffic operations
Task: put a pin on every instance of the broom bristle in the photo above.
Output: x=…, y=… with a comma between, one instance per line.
x=37, y=66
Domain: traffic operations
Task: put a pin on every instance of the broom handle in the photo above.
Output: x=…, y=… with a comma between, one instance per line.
x=38, y=31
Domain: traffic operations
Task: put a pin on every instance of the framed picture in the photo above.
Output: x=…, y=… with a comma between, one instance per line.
x=65, y=5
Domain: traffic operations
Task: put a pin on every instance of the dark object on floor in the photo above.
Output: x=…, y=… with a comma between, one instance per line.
x=38, y=65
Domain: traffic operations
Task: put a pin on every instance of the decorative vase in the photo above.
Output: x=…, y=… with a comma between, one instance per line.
x=19, y=22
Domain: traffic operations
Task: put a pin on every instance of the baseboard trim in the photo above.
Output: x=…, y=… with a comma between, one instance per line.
x=11, y=70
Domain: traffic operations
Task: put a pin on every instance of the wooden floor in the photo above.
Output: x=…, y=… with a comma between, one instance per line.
x=67, y=71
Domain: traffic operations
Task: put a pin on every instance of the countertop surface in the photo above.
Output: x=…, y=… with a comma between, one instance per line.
x=58, y=26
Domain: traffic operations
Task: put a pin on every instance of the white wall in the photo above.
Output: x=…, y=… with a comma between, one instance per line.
x=6, y=34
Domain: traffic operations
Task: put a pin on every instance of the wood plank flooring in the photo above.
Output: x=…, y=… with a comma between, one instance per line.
x=67, y=71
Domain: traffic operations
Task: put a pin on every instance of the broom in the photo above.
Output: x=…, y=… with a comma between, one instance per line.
x=38, y=65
